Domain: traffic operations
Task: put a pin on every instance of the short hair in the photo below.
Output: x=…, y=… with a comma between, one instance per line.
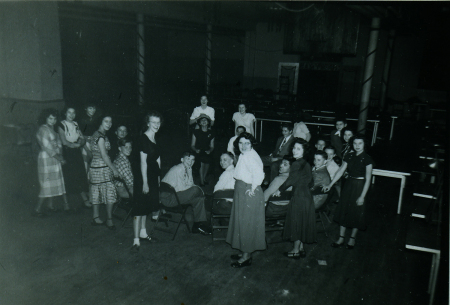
x=340, y=119
x=120, y=125
x=359, y=136
x=64, y=110
x=42, y=119
x=321, y=153
x=243, y=103
x=90, y=104
x=199, y=120
x=240, y=126
x=152, y=113
x=330, y=147
x=229, y=154
x=321, y=139
x=187, y=153
x=123, y=141
x=289, y=158
x=348, y=129
x=305, y=145
x=100, y=118
x=289, y=126
x=244, y=135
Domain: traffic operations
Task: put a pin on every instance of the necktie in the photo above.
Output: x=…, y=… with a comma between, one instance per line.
x=282, y=144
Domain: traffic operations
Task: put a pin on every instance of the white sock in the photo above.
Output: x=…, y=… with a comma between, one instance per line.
x=143, y=233
x=136, y=242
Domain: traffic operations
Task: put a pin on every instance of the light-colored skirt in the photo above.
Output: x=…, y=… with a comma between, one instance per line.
x=50, y=176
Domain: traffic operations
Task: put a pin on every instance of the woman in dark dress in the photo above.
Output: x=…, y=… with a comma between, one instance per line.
x=350, y=213
x=147, y=178
x=203, y=144
x=74, y=171
x=300, y=225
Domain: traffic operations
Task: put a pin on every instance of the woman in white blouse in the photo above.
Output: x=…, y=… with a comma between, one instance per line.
x=242, y=118
x=246, y=230
x=202, y=111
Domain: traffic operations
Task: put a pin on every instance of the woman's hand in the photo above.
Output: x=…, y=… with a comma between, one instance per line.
x=250, y=192
x=207, y=152
x=197, y=151
x=277, y=194
x=145, y=188
x=326, y=188
x=360, y=201
x=116, y=172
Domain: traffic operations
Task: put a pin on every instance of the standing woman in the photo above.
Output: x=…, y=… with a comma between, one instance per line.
x=203, y=144
x=246, y=230
x=50, y=159
x=102, y=173
x=242, y=118
x=146, y=179
x=300, y=225
x=350, y=213
x=73, y=140
x=202, y=111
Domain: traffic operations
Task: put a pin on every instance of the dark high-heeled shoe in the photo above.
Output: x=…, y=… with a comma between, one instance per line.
x=336, y=245
x=236, y=256
x=350, y=247
x=245, y=263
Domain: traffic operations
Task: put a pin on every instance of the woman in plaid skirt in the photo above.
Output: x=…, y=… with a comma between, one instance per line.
x=101, y=174
x=50, y=159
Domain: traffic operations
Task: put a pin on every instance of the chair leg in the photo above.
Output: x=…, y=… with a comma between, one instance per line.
x=126, y=217
x=323, y=225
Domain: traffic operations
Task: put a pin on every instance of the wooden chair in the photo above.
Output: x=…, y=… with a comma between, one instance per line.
x=125, y=204
x=219, y=195
x=178, y=209
x=270, y=220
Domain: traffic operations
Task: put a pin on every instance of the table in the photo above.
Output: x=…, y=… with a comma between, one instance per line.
x=424, y=238
x=393, y=174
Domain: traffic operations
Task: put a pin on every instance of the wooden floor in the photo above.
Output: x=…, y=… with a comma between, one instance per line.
x=62, y=259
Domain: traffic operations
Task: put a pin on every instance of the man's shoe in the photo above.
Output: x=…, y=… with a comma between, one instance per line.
x=202, y=229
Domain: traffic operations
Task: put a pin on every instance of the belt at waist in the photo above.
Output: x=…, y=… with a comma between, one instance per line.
x=359, y=178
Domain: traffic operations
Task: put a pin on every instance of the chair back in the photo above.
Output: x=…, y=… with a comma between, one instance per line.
x=284, y=197
x=165, y=187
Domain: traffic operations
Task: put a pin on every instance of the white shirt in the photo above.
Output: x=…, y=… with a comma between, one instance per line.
x=332, y=168
x=246, y=120
x=230, y=147
x=226, y=180
x=249, y=169
x=209, y=111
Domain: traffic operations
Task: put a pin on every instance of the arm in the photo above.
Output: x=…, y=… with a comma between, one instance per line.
x=338, y=175
x=360, y=200
x=193, y=141
x=105, y=157
x=64, y=141
x=145, y=188
x=211, y=147
x=194, y=117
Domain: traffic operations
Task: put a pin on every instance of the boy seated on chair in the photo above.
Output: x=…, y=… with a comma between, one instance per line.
x=124, y=168
x=224, y=188
x=181, y=179
x=277, y=202
x=282, y=148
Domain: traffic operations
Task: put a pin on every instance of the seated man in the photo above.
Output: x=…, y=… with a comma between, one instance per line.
x=180, y=178
x=278, y=205
x=239, y=130
x=124, y=168
x=282, y=149
x=224, y=188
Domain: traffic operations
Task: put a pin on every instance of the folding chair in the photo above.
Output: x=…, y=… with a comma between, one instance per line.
x=125, y=204
x=219, y=195
x=178, y=209
x=283, y=198
x=323, y=210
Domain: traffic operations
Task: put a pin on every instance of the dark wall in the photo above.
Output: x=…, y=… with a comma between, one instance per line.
x=99, y=63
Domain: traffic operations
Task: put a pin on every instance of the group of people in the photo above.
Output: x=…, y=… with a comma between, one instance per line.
x=299, y=183
x=80, y=159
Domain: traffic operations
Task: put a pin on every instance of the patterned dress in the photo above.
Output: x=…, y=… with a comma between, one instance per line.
x=49, y=169
x=102, y=189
